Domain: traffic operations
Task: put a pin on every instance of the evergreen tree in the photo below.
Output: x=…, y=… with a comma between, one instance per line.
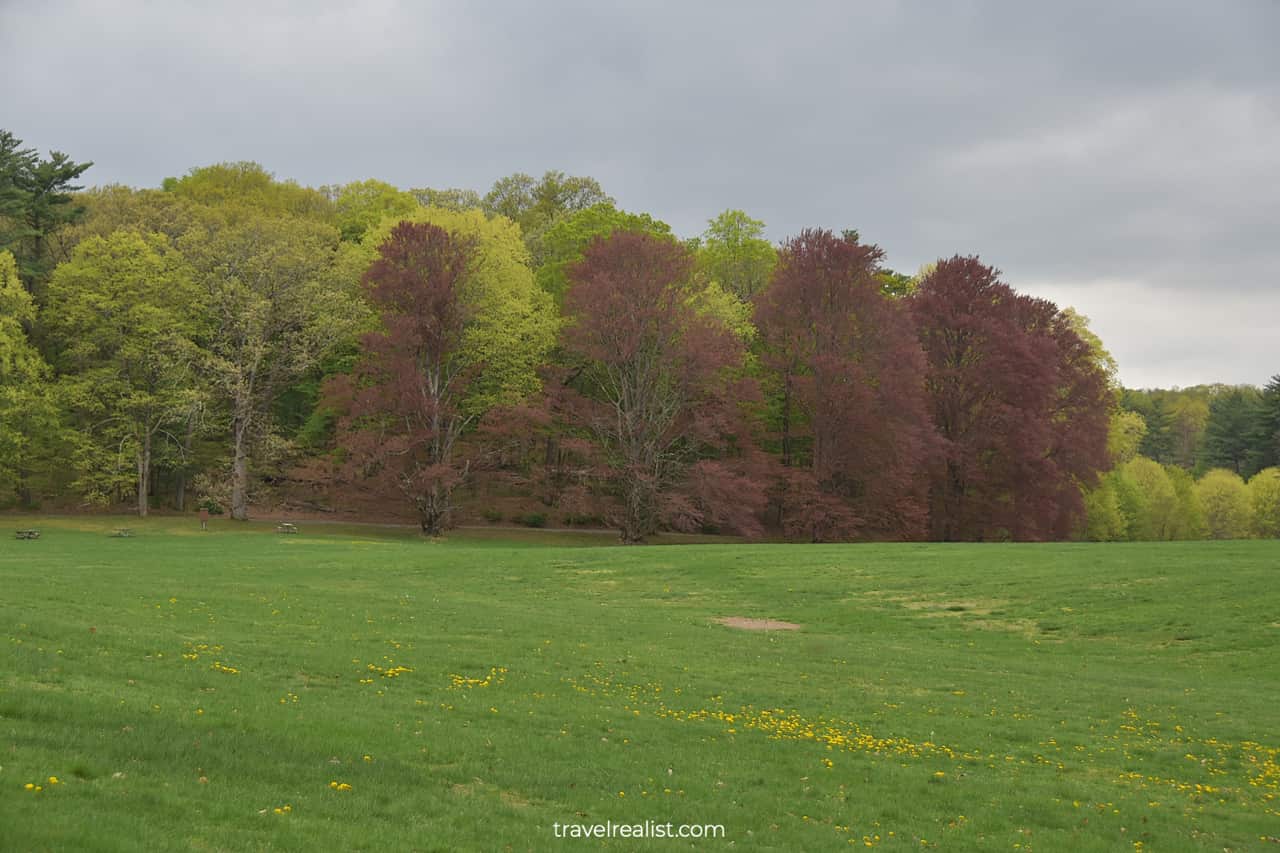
x=1158, y=442
x=1230, y=432
x=35, y=201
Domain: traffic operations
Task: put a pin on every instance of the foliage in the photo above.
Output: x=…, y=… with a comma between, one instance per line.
x=242, y=297
x=734, y=254
x=851, y=367
x=115, y=207
x=246, y=186
x=1019, y=401
x=273, y=288
x=1152, y=511
x=1266, y=431
x=462, y=330
x=448, y=199
x=512, y=323
x=1264, y=503
x=402, y=410
x=1229, y=440
x=28, y=417
x=657, y=385
x=1104, y=518
x=360, y=205
x=1126, y=432
x=538, y=204
x=1225, y=500
x=120, y=318
x=1158, y=432
x=714, y=301
x=36, y=201
x=1189, y=521
x=565, y=242
x=1106, y=362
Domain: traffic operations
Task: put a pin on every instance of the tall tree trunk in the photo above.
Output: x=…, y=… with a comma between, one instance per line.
x=144, y=474
x=24, y=488
x=180, y=486
x=240, y=467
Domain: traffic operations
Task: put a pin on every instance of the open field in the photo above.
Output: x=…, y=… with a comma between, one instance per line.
x=209, y=691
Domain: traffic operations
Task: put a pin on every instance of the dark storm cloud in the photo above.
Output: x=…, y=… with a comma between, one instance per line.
x=1118, y=157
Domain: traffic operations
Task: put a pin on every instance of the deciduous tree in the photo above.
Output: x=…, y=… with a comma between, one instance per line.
x=28, y=415
x=277, y=305
x=565, y=242
x=123, y=318
x=248, y=185
x=734, y=253
x=850, y=367
x=1264, y=501
x=360, y=205
x=437, y=364
x=659, y=390
x=1225, y=500
x=1019, y=401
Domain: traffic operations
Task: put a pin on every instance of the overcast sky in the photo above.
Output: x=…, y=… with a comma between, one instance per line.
x=1120, y=157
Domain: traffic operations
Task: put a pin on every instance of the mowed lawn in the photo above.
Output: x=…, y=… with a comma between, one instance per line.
x=361, y=689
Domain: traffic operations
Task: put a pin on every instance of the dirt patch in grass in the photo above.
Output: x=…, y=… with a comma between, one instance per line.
x=744, y=624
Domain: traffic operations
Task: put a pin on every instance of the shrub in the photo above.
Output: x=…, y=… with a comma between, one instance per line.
x=210, y=504
x=1226, y=504
x=492, y=515
x=1264, y=499
x=532, y=519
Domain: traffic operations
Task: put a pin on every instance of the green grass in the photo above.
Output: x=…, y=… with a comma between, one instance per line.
x=182, y=686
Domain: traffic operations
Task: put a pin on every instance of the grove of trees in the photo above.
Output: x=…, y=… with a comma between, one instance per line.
x=237, y=342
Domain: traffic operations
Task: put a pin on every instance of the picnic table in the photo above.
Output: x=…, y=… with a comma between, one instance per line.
x=28, y=534
x=286, y=527
x=123, y=532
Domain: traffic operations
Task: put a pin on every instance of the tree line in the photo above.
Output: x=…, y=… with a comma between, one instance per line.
x=207, y=341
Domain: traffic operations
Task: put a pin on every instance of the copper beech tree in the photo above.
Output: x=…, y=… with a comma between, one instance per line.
x=656, y=386
x=1019, y=400
x=855, y=435
x=401, y=411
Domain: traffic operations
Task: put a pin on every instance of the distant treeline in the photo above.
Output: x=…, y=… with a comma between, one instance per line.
x=230, y=335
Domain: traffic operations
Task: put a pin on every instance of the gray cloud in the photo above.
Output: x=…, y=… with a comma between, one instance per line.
x=1117, y=157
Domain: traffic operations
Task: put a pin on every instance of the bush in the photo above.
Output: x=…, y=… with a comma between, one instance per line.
x=210, y=504
x=492, y=515
x=1226, y=504
x=1264, y=497
x=532, y=519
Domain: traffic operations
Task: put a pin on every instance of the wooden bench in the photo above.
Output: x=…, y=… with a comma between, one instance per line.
x=123, y=532
x=286, y=527
x=27, y=534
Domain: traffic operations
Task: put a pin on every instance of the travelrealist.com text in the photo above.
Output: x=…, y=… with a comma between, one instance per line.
x=648, y=829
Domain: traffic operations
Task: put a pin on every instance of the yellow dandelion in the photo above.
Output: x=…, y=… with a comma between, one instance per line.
x=53, y=780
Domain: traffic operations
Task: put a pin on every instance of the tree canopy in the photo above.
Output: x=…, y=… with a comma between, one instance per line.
x=536, y=352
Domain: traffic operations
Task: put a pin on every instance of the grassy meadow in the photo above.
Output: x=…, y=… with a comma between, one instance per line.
x=357, y=688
